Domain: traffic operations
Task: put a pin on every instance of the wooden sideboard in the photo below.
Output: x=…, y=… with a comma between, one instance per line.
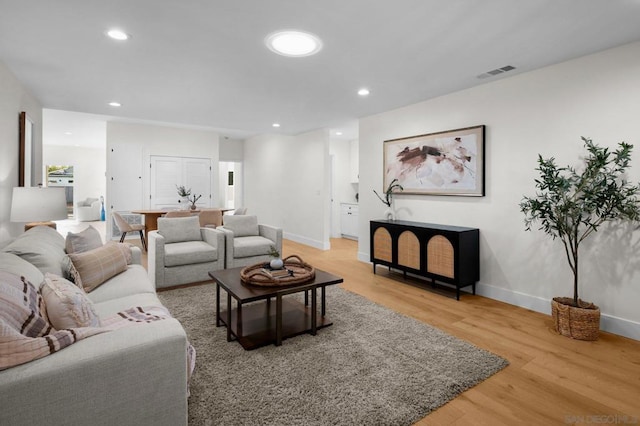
x=448, y=254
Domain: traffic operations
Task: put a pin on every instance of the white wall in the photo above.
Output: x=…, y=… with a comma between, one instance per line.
x=14, y=97
x=287, y=184
x=231, y=149
x=89, y=168
x=546, y=112
x=165, y=140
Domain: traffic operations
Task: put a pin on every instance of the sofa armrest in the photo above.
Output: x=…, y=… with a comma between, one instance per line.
x=136, y=255
x=272, y=233
x=228, y=241
x=155, y=258
x=135, y=375
x=212, y=237
x=216, y=239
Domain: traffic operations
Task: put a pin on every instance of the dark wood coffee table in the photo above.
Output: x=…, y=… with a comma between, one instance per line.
x=255, y=322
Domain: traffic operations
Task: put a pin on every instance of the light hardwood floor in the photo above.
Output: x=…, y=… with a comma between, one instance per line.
x=551, y=379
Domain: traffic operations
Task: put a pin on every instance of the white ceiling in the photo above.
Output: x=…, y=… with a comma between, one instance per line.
x=203, y=62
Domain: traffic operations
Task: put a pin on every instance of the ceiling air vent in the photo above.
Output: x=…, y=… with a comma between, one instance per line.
x=496, y=71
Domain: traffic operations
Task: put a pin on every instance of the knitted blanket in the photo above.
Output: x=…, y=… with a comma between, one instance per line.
x=26, y=333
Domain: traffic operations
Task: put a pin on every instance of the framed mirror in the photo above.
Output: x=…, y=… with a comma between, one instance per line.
x=26, y=150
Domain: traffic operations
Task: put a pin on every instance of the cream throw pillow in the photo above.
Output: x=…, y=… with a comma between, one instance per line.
x=179, y=229
x=241, y=225
x=94, y=267
x=67, y=305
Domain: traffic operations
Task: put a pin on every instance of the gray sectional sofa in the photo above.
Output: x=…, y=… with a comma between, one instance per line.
x=130, y=376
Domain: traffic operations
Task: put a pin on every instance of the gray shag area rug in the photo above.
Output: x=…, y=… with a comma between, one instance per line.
x=373, y=366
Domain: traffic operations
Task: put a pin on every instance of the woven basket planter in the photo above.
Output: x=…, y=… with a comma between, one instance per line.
x=581, y=323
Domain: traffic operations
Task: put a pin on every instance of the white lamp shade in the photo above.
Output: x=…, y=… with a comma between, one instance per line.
x=33, y=204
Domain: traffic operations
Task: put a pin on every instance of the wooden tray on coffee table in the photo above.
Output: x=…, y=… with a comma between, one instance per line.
x=261, y=273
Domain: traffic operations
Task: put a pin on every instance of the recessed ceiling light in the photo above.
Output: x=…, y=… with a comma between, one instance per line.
x=338, y=133
x=276, y=125
x=363, y=92
x=293, y=43
x=117, y=34
x=115, y=104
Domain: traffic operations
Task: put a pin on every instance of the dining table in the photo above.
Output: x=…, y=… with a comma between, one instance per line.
x=151, y=217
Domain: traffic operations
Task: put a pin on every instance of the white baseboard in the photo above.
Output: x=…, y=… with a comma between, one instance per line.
x=306, y=241
x=608, y=323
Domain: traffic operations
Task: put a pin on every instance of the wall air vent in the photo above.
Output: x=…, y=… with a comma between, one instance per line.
x=496, y=71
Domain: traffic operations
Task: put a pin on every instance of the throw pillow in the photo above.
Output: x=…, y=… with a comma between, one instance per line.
x=25, y=331
x=178, y=229
x=241, y=225
x=67, y=305
x=85, y=240
x=94, y=267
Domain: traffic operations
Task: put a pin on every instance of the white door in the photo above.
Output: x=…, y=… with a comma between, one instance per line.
x=124, y=181
x=197, y=176
x=167, y=173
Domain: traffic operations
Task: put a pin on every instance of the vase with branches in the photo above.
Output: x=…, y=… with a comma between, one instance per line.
x=193, y=200
x=572, y=204
x=394, y=186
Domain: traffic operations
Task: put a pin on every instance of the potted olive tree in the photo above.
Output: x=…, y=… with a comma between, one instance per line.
x=571, y=204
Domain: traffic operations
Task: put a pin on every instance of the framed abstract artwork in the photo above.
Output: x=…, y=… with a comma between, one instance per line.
x=442, y=163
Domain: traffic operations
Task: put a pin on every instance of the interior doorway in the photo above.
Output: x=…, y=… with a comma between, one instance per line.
x=231, y=184
x=62, y=176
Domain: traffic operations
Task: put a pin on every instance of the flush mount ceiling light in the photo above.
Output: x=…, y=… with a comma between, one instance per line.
x=117, y=34
x=293, y=43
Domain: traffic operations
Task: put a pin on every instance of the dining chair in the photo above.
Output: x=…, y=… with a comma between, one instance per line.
x=178, y=213
x=125, y=227
x=210, y=218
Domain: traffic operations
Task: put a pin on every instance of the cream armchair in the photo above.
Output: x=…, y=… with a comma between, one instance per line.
x=248, y=242
x=88, y=210
x=182, y=252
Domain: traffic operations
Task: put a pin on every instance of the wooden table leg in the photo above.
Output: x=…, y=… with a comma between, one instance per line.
x=278, y=320
x=228, y=317
x=217, y=304
x=314, y=314
x=239, y=321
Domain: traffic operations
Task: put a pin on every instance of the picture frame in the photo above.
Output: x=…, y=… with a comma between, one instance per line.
x=25, y=161
x=442, y=163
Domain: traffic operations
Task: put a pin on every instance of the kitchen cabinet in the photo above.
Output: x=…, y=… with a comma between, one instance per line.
x=349, y=220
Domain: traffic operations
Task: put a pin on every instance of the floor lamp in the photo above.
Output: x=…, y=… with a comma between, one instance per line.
x=38, y=206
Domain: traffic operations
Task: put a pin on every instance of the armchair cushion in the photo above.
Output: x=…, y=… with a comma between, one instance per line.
x=242, y=226
x=251, y=246
x=189, y=252
x=179, y=229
